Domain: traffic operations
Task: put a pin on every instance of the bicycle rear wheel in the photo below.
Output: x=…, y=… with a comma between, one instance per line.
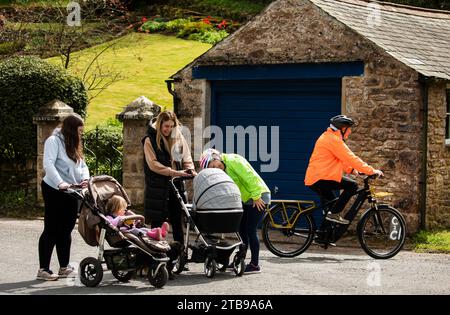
x=382, y=232
x=283, y=241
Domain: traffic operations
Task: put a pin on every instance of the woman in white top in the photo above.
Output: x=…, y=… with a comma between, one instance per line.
x=63, y=166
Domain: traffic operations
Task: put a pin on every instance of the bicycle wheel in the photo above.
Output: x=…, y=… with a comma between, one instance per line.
x=282, y=240
x=382, y=232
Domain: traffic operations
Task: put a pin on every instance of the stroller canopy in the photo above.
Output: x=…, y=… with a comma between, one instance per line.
x=215, y=190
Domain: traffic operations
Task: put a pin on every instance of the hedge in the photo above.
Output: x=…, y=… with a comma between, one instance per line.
x=27, y=83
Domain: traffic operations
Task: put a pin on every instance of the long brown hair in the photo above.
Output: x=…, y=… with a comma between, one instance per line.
x=69, y=130
x=163, y=117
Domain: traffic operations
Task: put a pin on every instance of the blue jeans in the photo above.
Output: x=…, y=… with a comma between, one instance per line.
x=251, y=218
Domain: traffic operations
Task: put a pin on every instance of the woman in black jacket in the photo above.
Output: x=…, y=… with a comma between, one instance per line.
x=167, y=155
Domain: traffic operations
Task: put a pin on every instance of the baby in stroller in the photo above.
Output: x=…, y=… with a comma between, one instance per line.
x=117, y=211
x=130, y=252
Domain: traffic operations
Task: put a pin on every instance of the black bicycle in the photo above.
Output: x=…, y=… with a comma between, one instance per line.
x=289, y=229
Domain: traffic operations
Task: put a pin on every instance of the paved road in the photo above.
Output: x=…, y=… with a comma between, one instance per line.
x=339, y=271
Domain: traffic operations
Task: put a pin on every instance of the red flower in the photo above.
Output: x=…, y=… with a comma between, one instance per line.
x=222, y=24
x=206, y=20
x=144, y=19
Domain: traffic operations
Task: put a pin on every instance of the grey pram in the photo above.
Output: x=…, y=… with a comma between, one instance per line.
x=216, y=212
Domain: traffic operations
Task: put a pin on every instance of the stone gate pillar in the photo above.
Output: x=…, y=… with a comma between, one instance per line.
x=135, y=117
x=47, y=119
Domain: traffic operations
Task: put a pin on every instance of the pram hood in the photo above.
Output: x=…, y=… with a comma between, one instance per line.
x=102, y=188
x=215, y=190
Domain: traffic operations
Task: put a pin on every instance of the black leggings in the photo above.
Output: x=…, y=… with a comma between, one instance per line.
x=59, y=220
x=325, y=189
x=176, y=216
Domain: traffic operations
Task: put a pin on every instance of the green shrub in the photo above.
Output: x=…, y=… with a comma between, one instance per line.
x=210, y=37
x=27, y=83
x=153, y=26
x=432, y=241
x=177, y=25
x=10, y=48
x=192, y=28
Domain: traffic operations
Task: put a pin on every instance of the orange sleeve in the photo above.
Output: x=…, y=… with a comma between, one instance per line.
x=349, y=159
x=348, y=169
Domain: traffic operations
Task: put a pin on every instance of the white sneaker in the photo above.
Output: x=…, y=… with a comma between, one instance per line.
x=66, y=272
x=46, y=275
x=335, y=217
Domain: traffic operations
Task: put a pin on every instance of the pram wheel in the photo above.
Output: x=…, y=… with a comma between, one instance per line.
x=91, y=272
x=122, y=276
x=238, y=265
x=210, y=267
x=158, y=277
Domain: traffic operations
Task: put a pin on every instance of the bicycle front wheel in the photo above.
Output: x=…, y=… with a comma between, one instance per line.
x=287, y=232
x=382, y=232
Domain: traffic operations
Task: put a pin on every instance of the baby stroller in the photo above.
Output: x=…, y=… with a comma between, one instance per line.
x=130, y=253
x=216, y=209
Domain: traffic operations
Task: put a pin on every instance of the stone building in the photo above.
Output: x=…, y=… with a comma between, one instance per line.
x=300, y=62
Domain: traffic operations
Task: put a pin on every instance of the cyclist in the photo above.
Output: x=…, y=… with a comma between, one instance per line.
x=331, y=158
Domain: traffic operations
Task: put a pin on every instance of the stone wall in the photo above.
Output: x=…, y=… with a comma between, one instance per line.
x=47, y=119
x=438, y=167
x=136, y=117
x=386, y=101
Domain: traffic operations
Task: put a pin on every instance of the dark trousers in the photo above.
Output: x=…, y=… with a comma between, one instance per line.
x=325, y=189
x=248, y=231
x=176, y=216
x=61, y=211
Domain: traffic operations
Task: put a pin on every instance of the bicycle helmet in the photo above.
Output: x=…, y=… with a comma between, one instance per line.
x=341, y=121
x=207, y=156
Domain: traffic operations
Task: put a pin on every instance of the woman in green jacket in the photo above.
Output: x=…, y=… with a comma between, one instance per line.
x=255, y=196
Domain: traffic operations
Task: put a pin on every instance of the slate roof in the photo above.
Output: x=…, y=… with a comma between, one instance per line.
x=420, y=38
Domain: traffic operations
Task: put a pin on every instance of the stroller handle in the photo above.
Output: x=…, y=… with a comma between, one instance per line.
x=181, y=178
x=76, y=190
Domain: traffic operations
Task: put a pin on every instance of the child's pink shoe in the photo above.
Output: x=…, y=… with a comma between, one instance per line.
x=164, y=229
x=155, y=234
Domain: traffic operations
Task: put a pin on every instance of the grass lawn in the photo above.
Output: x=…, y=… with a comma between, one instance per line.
x=49, y=26
x=146, y=61
x=438, y=241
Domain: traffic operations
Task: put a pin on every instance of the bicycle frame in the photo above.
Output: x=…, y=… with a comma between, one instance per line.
x=362, y=194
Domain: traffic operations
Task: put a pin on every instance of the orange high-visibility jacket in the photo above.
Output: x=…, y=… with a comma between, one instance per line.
x=332, y=158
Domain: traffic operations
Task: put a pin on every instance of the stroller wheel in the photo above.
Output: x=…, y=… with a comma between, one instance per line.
x=158, y=279
x=238, y=265
x=210, y=267
x=91, y=272
x=122, y=276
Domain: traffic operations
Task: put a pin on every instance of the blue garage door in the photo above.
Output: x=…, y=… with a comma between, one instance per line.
x=299, y=100
x=301, y=109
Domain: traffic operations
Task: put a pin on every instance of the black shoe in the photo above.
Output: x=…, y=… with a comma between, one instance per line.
x=322, y=243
